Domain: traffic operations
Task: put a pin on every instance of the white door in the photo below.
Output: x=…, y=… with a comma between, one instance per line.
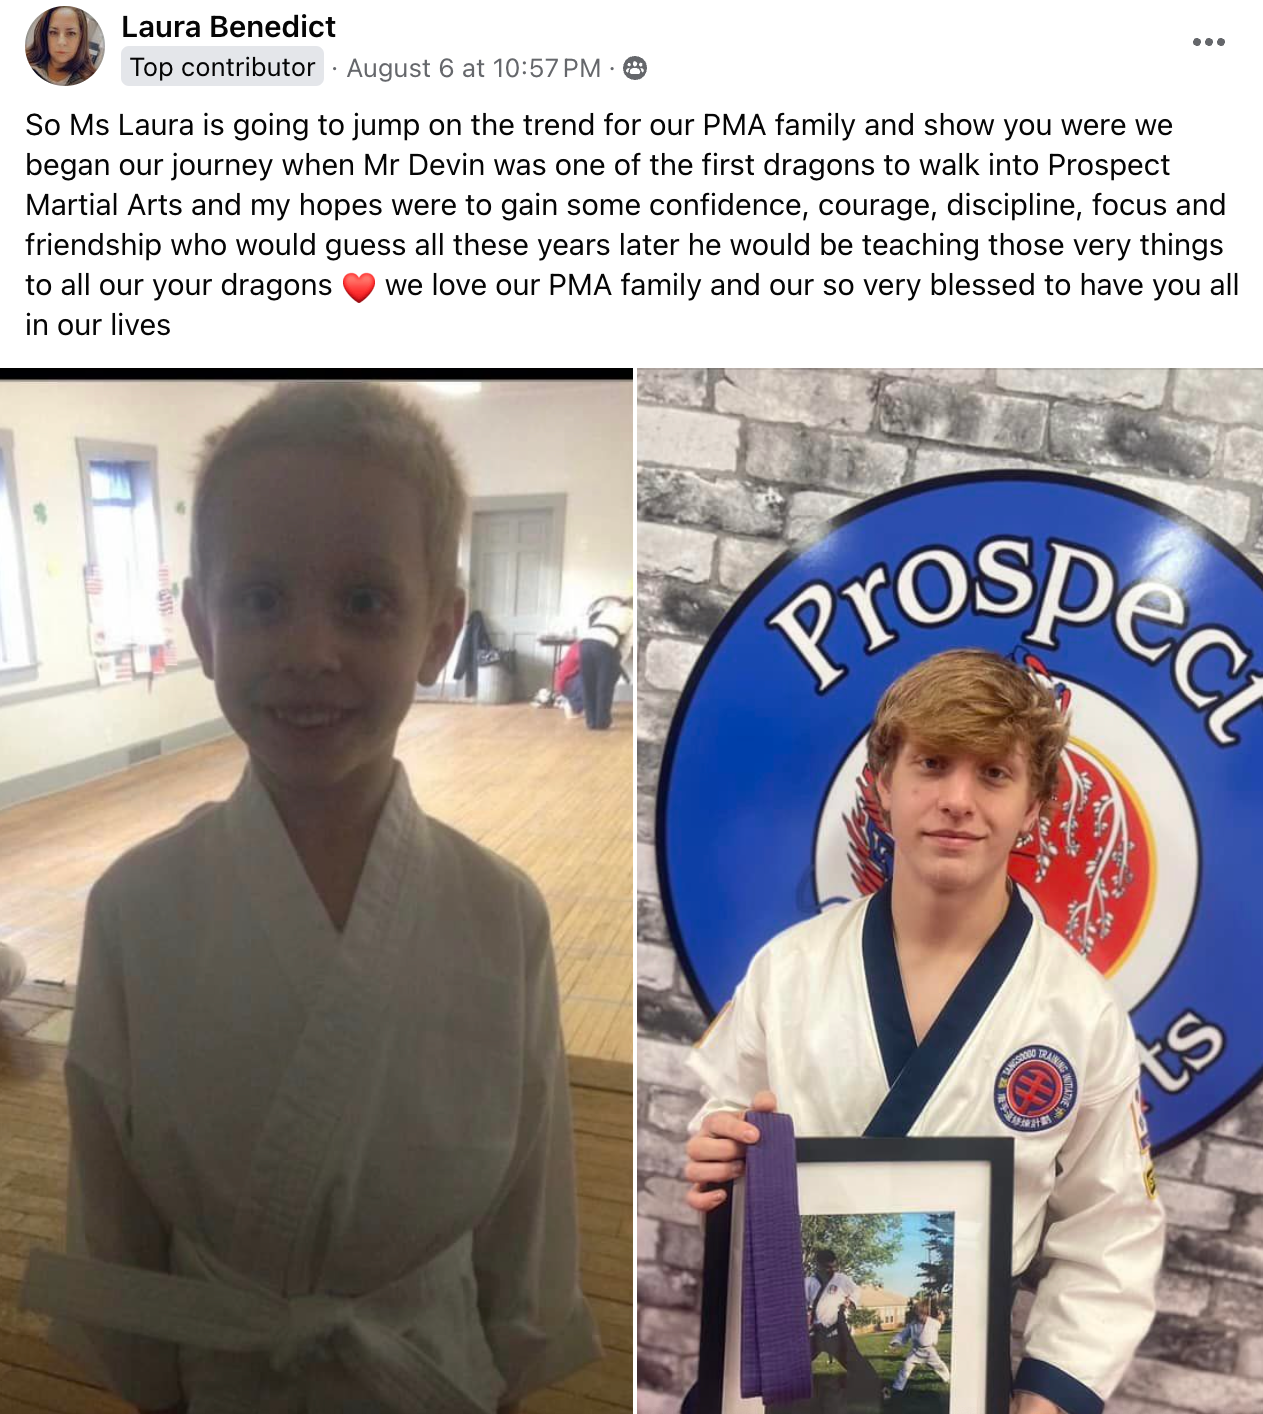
x=513, y=580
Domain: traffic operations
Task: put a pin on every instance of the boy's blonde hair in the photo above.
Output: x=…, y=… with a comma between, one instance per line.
x=974, y=702
x=368, y=424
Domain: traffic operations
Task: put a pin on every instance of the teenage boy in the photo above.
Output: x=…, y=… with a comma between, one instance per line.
x=951, y=1011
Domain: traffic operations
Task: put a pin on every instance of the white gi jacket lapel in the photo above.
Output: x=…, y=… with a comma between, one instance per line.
x=345, y=982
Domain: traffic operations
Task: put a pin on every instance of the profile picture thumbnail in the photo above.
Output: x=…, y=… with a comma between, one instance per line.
x=64, y=45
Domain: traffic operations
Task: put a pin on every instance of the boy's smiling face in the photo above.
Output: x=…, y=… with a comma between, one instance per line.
x=316, y=617
x=955, y=817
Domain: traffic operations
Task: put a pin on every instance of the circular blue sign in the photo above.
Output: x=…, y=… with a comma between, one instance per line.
x=1146, y=624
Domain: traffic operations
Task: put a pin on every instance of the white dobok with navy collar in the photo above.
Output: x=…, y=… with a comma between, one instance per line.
x=1031, y=1045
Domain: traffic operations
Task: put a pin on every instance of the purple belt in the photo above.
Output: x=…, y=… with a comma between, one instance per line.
x=775, y=1345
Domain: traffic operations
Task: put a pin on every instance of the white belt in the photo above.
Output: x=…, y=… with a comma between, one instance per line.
x=293, y=1331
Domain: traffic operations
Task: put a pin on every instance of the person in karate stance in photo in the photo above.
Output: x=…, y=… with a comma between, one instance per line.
x=951, y=1010
x=321, y=1154
x=921, y=1335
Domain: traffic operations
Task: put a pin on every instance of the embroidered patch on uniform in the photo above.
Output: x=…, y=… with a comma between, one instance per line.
x=1035, y=1089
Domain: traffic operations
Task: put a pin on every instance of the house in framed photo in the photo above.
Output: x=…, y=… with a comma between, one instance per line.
x=888, y=1306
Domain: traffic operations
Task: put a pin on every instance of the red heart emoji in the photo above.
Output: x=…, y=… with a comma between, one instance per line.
x=359, y=287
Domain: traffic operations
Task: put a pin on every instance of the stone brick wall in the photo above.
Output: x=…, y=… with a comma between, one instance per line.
x=734, y=464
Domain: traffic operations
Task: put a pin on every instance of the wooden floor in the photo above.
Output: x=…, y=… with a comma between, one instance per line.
x=35, y=1379
x=551, y=796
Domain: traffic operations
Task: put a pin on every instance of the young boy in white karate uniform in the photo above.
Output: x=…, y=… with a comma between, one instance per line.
x=921, y=1335
x=950, y=1010
x=321, y=1147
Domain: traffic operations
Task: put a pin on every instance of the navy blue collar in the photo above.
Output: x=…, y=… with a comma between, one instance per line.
x=913, y=1072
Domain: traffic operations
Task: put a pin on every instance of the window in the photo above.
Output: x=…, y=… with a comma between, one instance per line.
x=17, y=637
x=120, y=493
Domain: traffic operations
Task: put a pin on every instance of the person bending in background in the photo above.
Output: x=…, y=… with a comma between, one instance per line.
x=600, y=652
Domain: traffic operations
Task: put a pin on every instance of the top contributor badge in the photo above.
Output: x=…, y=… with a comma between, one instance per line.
x=1149, y=630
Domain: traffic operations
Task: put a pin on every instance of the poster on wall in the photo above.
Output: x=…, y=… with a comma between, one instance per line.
x=1146, y=626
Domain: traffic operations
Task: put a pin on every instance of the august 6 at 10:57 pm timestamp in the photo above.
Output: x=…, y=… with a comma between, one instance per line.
x=484, y=69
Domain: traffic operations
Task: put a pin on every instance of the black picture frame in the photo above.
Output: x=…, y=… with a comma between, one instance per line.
x=995, y=1154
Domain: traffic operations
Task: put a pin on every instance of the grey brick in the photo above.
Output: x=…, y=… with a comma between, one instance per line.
x=682, y=1245
x=685, y=387
x=655, y=965
x=656, y=1370
x=1250, y=1357
x=742, y=561
x=666, y=493
x=1113, y=436
x=669, y=661
x=664, y=1198
x=662, y=1063
x=668, y=1330
x=660, y=1153
x=1191, y=1389
x=681, y=610
x=937, y=375
x=1191, y=1205
x=654, y=711
x=1249, y=1220
x=947, y=414
x=1234, y=1165
x=670, y=1111
x=1222, y=394
x=1217, y=1256
x=820, y=458
x=651, y=923
x=1244, y=1121
x=648, y=1231
x=817, y=397
x=646, y=870
x=809, y=510
x=1135, y=387
x=670, y=549
x=1180, y=1162
x=1120, y=1404
x=1243, y=455
x=649, y=1401
x=1201, y=1345
x=1235, y=1303
x=669, y=1016
x=681, y=437
x=947, y=461
x=669, y=1287
x=1182, y=1295
x=1226, y=512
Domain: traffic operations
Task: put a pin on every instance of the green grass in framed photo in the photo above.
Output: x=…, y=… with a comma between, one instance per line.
x=898, y=1290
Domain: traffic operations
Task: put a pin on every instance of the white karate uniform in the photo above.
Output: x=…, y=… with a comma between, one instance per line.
x=923, y=1336
x=837, y=1291
x=821, y=1020
x=356, y=1146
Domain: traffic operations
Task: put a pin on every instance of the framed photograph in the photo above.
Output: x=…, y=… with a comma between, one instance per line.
x=906, y=1292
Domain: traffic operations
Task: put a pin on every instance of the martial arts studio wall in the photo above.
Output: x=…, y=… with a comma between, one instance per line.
x=736, y=464
x=60, y=726
x=569, y=438
x=566, y=439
